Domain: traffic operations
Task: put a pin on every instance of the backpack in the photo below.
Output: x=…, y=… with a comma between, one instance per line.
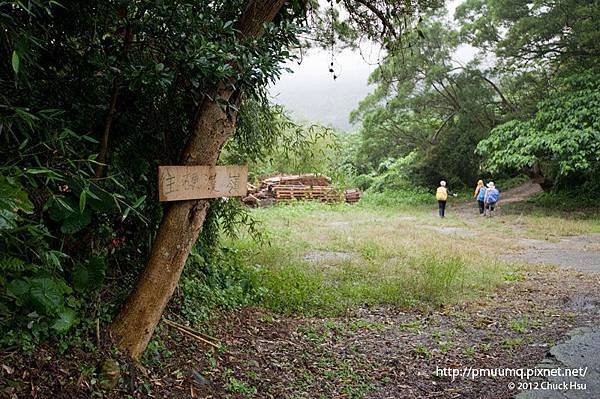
x=441, y=194
x=493, y=196
x=481, y=195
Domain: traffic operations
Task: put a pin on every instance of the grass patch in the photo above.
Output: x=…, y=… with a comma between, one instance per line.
x=547, y=224
x=386, y=259
x=584, y=200
x=329, y=289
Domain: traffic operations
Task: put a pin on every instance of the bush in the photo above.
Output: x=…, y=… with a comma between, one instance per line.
x=561, y=138
x=364, y=182
x=44, y=291
x=221, y=280
x=511, y=182
x=393, y=174
x=410, y=197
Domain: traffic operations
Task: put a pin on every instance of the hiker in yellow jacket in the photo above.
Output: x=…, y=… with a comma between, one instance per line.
x=442, y=196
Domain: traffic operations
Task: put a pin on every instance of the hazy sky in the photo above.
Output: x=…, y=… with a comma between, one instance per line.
x=311, y=93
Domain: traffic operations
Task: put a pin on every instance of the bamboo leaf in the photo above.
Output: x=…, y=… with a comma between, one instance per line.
x=15, y=61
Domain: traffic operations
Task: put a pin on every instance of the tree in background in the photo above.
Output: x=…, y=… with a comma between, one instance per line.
x=429, y=104
x=533, y=34
x=426, y=102
x=547, y=54
x=562, y=140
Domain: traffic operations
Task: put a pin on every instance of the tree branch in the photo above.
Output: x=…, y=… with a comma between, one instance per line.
x=386, y=22
x=439, y=130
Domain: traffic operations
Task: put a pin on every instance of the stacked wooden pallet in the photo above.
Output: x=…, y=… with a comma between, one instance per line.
x=352, y=195
x=284, y=192
x=305, y=187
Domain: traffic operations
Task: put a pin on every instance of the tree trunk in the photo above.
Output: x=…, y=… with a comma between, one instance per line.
x=112, y=108
x=182, y=222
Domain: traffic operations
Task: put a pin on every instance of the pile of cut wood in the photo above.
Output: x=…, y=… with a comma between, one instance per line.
x=283, y=187
x=352, y=195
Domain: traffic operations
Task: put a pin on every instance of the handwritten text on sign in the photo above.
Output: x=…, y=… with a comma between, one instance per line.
x=176, y=183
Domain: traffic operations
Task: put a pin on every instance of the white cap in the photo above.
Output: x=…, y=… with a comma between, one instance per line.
x=443, y=183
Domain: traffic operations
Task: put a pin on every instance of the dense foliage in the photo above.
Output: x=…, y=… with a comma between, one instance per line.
x=562, y=139
x=548, y=54
x=108, y=82
x=431, y=107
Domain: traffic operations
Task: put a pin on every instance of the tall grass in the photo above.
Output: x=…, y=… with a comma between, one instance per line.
x=400, y=198
x=437, y=280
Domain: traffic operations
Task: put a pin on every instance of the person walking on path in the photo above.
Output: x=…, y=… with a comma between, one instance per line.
x=441, y=195
x=492, y=195
x=479, y=195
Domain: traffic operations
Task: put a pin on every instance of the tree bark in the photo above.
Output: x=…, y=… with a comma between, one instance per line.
x=182, y=222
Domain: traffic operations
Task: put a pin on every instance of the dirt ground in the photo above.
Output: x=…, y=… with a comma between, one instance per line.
x=380, y=352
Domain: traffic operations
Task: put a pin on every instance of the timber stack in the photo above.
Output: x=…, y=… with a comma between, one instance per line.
x=283, y=187
x=352, y=195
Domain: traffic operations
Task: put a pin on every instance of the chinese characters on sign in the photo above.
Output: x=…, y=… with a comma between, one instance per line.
x=176, y=183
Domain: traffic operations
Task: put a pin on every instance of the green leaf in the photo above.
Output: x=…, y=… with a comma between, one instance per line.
x=76, y=222
x=52, y=258
x=15, y=61
x=126, y=213
x=7, y=219
x=66, y=319
x=11, y=264
x=12, y=200
x=46, y=295
x=100, y=201
x=39, y=171
x=139, y=201
x=89, y=275
x=18, y=288
x=64, y=204
x=82, y=198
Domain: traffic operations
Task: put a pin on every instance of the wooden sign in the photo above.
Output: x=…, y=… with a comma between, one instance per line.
x=177, y=183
